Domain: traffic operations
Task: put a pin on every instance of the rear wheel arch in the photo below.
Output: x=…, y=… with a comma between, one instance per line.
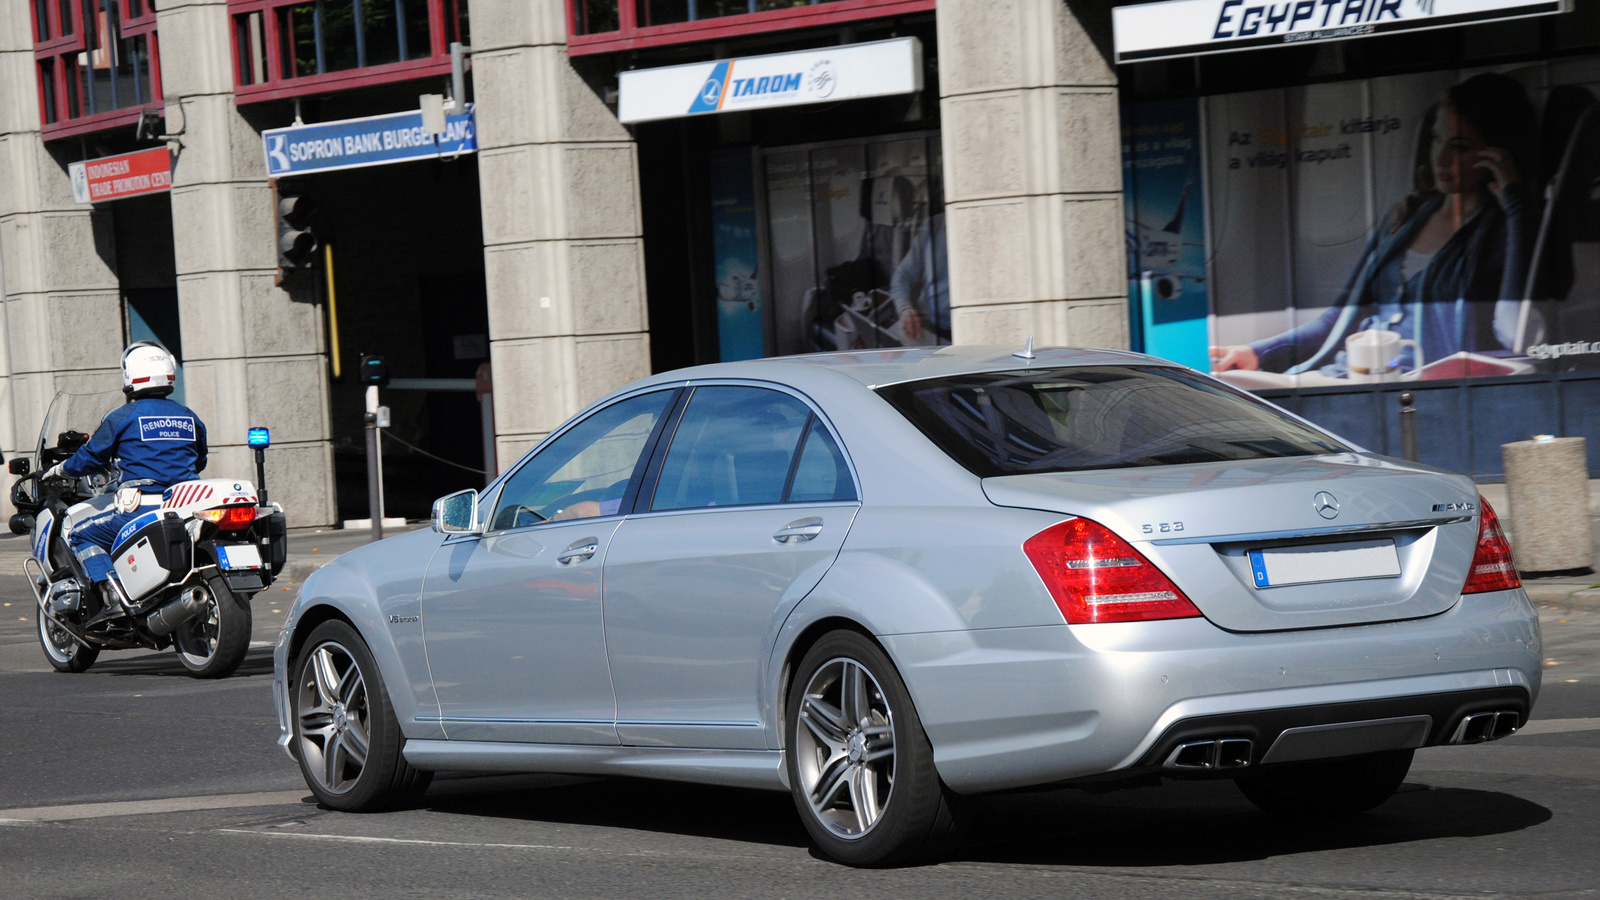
x=802, y=644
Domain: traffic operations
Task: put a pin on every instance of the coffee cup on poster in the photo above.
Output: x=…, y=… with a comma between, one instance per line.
x=1373, y=355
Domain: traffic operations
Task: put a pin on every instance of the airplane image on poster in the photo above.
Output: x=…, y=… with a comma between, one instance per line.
x=1154, y=254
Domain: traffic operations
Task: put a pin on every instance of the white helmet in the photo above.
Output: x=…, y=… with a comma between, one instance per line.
x=147, y=368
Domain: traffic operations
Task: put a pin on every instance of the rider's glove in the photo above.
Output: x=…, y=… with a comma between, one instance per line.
x=54, y=472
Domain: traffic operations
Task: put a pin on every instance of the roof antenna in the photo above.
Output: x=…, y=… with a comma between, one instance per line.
x=1025, y=352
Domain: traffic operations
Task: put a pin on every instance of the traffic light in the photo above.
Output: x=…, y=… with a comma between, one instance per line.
x=373, y=370
x=297, y=242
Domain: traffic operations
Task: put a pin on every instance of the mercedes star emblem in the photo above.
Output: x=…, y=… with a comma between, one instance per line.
x=1325, y=505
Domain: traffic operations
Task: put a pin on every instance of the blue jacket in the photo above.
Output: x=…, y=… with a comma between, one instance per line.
x=154, y=441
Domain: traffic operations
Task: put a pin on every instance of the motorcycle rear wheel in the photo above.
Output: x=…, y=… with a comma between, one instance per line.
x=214, y=642
x=62, y=649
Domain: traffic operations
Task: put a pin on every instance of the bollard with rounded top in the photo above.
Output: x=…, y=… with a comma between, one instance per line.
x=1547, y=486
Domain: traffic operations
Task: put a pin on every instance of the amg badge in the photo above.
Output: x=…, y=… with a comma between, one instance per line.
x=1454, y=507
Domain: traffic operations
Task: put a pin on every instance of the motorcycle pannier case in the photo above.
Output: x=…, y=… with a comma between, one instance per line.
x=149, y=557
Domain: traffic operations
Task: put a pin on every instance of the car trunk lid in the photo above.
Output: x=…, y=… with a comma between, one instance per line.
x=1287, y=543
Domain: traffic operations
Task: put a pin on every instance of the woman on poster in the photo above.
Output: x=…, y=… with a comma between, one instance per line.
x=1447, y=270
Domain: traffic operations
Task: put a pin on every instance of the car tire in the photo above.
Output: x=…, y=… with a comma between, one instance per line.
x=62, y=649
x=859, y=763
x=1328, y=788
x=213, y=643
x=338, y=701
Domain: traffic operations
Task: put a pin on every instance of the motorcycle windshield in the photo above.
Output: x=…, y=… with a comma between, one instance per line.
x=74, y=412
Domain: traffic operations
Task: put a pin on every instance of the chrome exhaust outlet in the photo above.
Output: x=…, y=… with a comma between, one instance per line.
x=1486, y=726
x=1207, y=756
x=166, y=620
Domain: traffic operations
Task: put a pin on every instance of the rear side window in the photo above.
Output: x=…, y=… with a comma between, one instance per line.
x=1097, y=417
x=732, y=447
x=820, y=474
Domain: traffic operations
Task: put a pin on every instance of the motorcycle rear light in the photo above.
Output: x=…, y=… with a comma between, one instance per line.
x=1095, y=576
x=229, y=518
x=1492, y=568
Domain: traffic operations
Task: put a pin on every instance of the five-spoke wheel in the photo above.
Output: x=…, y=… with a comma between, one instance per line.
x=860, y=766
x=347, y=739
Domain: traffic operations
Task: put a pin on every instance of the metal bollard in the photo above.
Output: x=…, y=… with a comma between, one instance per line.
x=1408, y=426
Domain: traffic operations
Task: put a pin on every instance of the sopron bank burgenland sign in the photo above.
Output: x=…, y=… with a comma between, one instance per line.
x=1145, y=31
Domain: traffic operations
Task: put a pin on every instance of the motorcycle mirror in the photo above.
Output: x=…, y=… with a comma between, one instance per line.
x=18, y=466
x=259, y=438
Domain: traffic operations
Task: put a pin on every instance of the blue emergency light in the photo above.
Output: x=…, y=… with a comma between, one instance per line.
x=260, y=438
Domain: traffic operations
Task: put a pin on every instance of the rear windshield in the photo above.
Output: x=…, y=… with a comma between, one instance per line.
x=1097, y=417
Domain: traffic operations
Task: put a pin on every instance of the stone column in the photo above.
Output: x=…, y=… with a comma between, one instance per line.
x=254, y=353
x=62, y=323
x=1033, y=175
x=563, y=251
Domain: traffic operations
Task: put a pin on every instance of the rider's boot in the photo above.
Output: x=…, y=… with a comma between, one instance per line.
x=111, y=604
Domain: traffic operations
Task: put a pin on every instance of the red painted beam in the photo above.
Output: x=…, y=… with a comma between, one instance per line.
x=723, y=27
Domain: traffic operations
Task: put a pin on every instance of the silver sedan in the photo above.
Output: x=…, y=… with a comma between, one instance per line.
x=888, y=581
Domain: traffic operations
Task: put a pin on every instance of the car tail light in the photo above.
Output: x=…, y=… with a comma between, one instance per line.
x=1096, y=576
x=229, y=518
x=1492, y=568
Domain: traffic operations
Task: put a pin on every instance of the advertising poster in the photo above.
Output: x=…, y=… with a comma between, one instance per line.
x=741, y=331
x=1397, y=229
x=858, y=245
x=1162, y=177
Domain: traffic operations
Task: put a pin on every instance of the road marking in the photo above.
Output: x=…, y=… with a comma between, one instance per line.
x=357, y=839
x=1559, y=726
x=146, y=807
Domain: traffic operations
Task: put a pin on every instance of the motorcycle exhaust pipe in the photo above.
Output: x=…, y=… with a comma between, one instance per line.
x=166, y=620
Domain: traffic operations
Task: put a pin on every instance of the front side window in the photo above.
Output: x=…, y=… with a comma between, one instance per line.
x=733, y=447
x=1097, y=417
x=585, y=472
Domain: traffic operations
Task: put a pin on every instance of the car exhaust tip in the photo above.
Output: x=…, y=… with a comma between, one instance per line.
x=1486, y=726
x=1210, y=755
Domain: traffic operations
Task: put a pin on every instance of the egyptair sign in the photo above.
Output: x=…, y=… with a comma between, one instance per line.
x=1145, y=31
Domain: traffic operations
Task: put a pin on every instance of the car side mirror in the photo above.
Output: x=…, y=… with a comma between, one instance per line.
x=457, y=513
x=18, y=465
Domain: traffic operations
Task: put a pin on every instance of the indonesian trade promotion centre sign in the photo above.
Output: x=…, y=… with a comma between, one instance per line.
x=372, y=141
x=848, y=72
x=1189, y=27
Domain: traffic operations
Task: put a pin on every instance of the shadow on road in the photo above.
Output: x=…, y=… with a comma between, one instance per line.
x=166, y=662
x=1178, y=824
x=1209, y=823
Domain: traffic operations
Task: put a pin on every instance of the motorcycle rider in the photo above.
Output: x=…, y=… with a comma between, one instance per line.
x=155, y=443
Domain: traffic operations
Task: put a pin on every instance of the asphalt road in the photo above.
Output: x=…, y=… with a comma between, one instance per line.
x=132, y=780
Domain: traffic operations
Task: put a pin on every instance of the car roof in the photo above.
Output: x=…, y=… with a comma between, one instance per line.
x=875, y=368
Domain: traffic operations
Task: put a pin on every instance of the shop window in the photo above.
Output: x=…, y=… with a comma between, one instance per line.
x=852, y=250
x=603, y=26
x=97, y=63
x=290, y=47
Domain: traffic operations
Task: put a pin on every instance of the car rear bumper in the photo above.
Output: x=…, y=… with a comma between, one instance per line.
x=1016, y=707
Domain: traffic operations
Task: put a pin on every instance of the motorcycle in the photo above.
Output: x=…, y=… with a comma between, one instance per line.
x=185, y=570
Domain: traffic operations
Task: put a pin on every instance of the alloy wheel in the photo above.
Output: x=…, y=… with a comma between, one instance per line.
x=845, y=748
x=335, y=719
x=58, y=643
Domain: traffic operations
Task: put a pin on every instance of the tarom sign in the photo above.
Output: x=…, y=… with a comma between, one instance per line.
x=372, y=141
x=1191, y=27
x=123, y=175
x=847, y=72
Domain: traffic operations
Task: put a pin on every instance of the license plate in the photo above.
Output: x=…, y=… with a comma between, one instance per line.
x=1324, y=562
x=239, y=556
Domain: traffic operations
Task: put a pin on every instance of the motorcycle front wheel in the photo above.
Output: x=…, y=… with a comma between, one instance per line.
x=213, y=643
x=62, y=649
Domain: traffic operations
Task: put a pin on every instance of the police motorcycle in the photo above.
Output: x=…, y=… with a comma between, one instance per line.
x=186, y=570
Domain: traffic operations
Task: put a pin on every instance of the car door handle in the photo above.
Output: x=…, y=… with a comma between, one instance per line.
x=799, y=531
x=578, y=551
